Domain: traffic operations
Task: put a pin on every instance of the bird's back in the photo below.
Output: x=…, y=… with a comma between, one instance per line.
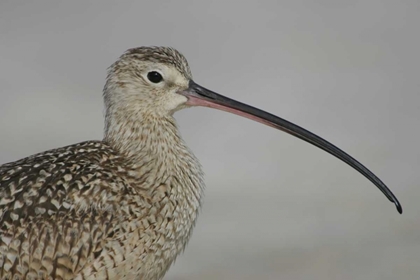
x=80, y=212
x=52, y=222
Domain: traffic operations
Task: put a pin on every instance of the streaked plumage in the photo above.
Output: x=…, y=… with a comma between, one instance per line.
x=124, y=207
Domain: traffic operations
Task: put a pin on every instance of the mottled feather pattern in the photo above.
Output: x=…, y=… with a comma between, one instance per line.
x=76, y=210
x=46, y=228
x=121, y=208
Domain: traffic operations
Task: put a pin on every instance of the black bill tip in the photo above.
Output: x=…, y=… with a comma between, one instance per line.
x=398, y=205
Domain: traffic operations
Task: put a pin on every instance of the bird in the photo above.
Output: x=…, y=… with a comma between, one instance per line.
x=123, y=207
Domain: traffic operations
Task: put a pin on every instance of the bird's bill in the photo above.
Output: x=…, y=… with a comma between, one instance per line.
x=200, y=96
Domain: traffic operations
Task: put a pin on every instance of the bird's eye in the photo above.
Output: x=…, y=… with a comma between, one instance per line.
x=154, y=77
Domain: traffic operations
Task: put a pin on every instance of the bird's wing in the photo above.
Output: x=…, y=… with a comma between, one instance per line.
x=55, y=211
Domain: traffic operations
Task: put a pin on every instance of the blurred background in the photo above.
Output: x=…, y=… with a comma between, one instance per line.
x=275, y=207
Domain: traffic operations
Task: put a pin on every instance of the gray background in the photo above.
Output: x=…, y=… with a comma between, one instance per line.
x=275, y=207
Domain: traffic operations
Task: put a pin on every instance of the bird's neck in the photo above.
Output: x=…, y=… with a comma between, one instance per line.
x=142, y=134
x=152, y=140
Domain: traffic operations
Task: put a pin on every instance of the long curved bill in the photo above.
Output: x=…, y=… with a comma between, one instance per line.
x=200, y=96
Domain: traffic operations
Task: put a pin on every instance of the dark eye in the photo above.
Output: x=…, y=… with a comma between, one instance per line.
x=154, y=77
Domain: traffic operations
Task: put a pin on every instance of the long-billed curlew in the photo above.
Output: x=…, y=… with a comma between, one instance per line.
x=123, y=207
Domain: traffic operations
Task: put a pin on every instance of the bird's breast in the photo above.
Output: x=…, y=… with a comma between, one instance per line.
x=156, y=216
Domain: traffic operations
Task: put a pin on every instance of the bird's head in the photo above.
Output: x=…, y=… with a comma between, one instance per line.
x=148, y=80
